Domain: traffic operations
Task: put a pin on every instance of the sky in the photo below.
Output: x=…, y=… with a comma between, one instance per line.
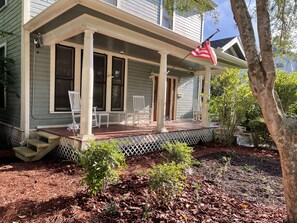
x=226, y=23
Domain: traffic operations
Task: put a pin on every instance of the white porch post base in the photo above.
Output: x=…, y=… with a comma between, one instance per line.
x=206, y=95
x=161, y=100
x=87, y=86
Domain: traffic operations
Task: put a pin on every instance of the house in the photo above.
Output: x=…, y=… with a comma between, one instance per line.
x=286, y=64
x=108, y=50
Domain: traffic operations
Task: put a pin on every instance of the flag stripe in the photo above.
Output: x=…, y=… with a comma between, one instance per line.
x=205, y=52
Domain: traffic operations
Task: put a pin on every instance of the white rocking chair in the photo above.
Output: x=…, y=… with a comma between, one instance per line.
x=197, y=109
x=74, y=99
x=139, y=108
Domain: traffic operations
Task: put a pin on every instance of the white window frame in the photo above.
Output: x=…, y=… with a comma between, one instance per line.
x=5, y=93
x=4, y=6
x=77, y=74
x=161, y=17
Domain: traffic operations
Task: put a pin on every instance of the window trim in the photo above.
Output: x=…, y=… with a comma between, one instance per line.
x=73, y=79
x=123, y=85
x=4, y=45
x=4, y=6
x=77, y=74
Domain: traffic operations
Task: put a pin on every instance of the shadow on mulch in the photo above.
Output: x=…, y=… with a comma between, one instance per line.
x=270, y=167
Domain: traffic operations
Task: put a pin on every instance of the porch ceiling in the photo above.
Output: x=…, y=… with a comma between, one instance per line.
x=108, y=43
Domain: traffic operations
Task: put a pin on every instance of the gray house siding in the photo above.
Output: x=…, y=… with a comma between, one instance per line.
x=40, y=90
x=37, y=6
x=139, y=82
x=188, y=26
x=10, y=21
x=146, y=9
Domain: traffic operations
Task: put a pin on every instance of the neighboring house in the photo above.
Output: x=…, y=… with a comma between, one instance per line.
x=231, y=46
x=108, y=51
x=285, y=64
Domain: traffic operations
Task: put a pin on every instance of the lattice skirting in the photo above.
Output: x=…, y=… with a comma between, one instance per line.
x=12, y=135
x=136, y=145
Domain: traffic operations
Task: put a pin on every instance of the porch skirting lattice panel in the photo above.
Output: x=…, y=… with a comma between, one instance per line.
x=141, y=144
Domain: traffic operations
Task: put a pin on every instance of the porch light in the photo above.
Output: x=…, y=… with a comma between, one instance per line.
x=38, y=41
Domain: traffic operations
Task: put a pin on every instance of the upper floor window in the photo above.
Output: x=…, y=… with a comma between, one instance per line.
x=2, y=75
x=112, y=2
x=166, y=19
x=3, y=3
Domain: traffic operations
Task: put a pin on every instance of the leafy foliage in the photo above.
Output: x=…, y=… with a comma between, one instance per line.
x=100, y=162
x=179, y=153
x=260, y=132
x=167, y=180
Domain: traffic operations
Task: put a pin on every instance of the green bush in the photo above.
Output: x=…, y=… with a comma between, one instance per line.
x=167, y=180
x=100, y=163
x=179, y=153
x=260, y=132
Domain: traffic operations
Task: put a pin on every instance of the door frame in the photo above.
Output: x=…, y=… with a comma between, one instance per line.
x=173, y=95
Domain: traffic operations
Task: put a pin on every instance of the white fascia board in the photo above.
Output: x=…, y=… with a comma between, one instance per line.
x=60, y=6
x=231, y=59
x=231, y=43
x=77, y=26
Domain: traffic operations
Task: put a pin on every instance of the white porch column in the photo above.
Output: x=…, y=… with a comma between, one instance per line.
x=200, y=79
x=87, y=86
x=206, y=95
x=161, y=99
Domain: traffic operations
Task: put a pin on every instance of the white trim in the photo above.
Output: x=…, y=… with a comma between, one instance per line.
x=59, y=7
x=77, y=75
x=52, y=78
x=233, y=42
x=4, y=6
x=4, y=44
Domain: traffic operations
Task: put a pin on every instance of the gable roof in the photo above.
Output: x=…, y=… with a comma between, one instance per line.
x=230, y=45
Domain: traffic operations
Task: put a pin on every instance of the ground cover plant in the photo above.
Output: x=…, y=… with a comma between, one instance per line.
x=233, y=184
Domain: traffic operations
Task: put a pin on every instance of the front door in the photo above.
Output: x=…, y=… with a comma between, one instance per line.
x=170, y=109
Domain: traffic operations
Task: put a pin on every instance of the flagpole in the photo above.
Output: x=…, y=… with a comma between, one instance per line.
x=191, y=51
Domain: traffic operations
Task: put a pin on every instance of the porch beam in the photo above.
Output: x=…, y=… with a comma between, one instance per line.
x=213, y=72
x=87, y=85
x=161, y=99
x=82, y=22
x=206, y=96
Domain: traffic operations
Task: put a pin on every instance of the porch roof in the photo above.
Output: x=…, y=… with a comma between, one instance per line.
x=86, y=13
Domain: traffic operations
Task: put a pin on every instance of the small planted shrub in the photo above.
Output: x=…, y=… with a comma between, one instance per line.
x=180, y=153
x=100, y=163
x=167, y=180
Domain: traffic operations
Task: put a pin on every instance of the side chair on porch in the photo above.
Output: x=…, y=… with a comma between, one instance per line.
x=197, y=110
x=74, y=99
x=139, y=108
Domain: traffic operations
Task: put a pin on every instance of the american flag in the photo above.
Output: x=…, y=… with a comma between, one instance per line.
x=205, y=52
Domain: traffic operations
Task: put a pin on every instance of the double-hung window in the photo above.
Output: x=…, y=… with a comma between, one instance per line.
x=64, y=76
x=166, y=19
x=100, y=75
x=112, y=2
x=118, y=84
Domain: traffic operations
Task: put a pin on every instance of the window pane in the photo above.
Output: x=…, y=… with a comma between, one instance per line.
x=64, y=78
x=100, y=74
x=117, y=94
x=167, y=20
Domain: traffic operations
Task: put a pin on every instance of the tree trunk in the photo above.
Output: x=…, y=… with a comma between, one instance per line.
x=261, y=72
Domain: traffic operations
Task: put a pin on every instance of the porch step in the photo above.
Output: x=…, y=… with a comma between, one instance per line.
x=38, y=147
x=36, y=143
x=25, y=151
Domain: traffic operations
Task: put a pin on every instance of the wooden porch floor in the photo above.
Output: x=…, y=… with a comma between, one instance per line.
x=119, y=131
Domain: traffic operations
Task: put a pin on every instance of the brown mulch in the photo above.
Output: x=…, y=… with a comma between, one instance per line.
x=233, y=185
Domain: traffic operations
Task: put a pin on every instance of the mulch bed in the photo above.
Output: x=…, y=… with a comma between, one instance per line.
x=233, y=185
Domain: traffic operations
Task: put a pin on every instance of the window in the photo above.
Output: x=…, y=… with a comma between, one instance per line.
x=3, y=3
x=2, y=75
x=64, y=76
x=112, y=2
x=118, y=85
x=100, y=74
x=166, y=19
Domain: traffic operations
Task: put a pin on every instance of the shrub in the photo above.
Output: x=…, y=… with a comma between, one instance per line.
x=100, y=162
x=167, y=180
x=179, y=153
x=260, y=132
